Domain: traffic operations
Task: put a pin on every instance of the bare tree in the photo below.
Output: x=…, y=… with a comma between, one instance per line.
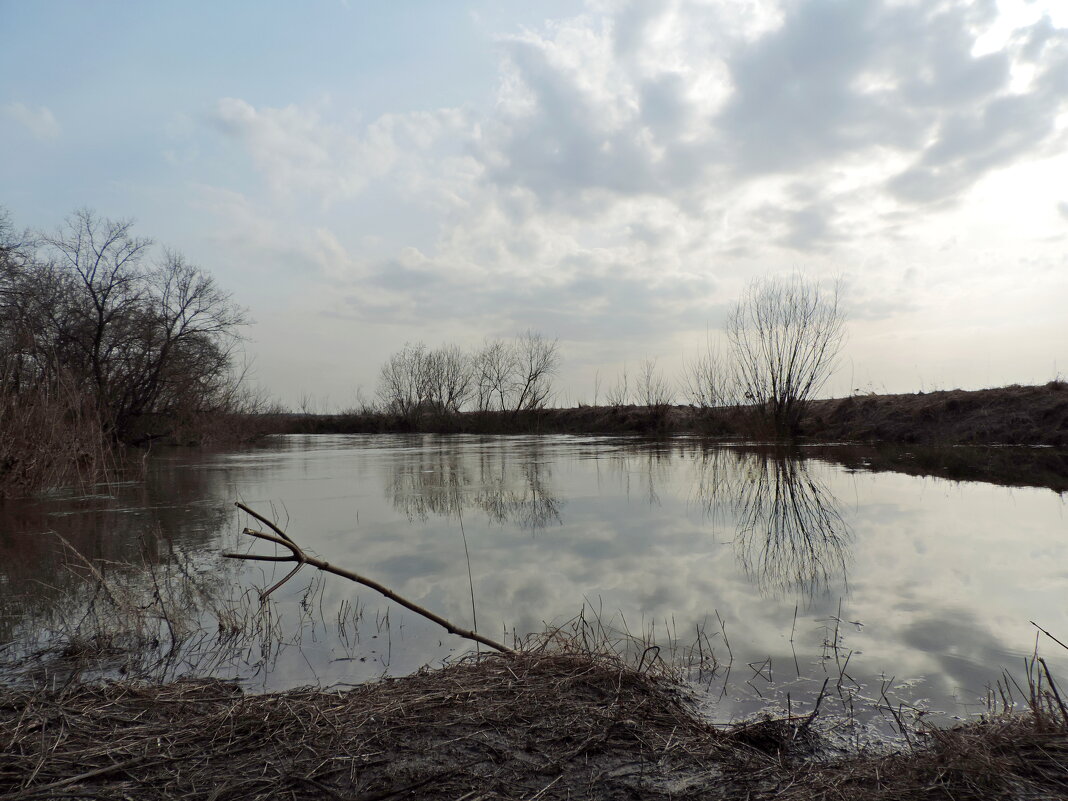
x=416, y=380
x=403, y=386
x=449, y=379
x=536, y=361
x=494, y=367
x=141, y=339
x=785, y=336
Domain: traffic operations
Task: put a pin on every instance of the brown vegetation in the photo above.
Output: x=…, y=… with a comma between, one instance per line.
x=1011, y=415
x=539, y=724
x=109, y=347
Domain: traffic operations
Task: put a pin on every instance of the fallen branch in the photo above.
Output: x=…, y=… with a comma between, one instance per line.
x=298, y=555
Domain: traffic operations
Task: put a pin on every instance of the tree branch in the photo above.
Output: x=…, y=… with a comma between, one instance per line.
x=298, y=555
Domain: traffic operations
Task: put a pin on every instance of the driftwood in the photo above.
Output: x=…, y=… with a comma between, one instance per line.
x=301, y=558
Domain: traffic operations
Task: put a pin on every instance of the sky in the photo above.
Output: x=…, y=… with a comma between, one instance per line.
x=610, y=174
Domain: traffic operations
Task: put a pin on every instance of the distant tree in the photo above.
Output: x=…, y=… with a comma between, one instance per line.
x=536, y=361
x=494, y=365
x=449, y=379
x=785, y=337
x=515, y=375
x=403, y=381
x=415, y=380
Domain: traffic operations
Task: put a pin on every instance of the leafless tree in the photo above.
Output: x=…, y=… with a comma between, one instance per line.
x=494, y=365
x=143, y=339
x=416, y=380
x=516, y=375
x=785, y=336
x=403, y=386
x=449, y=378
x=537, y=359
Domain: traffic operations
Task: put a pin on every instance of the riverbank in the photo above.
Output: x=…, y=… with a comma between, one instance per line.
x=1014, y=415
x=531, y=725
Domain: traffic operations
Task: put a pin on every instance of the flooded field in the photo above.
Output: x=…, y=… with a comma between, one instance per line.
x=797, y=574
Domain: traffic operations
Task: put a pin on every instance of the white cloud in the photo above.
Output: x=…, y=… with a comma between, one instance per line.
x=642, y=161
x=39, y=120
x=299, y=152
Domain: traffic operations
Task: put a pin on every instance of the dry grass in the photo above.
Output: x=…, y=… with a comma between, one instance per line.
x=500, y=727
x=540, y=724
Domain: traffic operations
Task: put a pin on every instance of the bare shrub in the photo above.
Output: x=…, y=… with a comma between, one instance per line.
x=706, y=380
x=619, y=394
x=785, y=336
x=654, y=390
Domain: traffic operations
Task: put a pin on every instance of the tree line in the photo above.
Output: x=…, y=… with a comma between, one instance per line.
x=783, y=337
x=502, y=375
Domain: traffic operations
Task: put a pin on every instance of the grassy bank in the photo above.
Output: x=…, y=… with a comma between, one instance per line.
x=1014, y=415
x=539, y=724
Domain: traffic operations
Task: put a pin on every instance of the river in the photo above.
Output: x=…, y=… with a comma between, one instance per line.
x=798, y=573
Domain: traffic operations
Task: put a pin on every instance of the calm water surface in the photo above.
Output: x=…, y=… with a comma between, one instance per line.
x=926, y=586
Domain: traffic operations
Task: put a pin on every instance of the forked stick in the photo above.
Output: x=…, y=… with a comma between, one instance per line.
x=298, y=555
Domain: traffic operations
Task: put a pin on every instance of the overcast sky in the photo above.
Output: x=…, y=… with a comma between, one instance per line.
x=611, y=174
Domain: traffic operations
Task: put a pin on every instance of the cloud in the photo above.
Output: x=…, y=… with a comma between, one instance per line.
x=636, y=103
x=301, y=153
x=640, y=161
x=39, y=120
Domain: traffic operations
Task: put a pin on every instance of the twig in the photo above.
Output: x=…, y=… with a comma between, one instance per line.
x=299, y=556
x=1061, y=644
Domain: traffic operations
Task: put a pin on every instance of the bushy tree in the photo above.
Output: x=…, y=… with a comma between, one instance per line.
x=785, y=336
x=142, y=337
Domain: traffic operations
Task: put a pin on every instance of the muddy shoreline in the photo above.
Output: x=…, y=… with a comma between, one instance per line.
x=531, y=725
x=1014, y=415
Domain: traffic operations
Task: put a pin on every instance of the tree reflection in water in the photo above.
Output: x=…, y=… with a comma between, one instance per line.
x=790, y=535
x=508, y=486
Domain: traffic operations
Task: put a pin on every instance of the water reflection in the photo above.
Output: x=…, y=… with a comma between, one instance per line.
x=791, y=536
x=788, y=530
x=508, y=486
x=679, y=531
x=46, y=542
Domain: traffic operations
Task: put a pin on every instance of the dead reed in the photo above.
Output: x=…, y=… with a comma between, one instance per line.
x=49, y=438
